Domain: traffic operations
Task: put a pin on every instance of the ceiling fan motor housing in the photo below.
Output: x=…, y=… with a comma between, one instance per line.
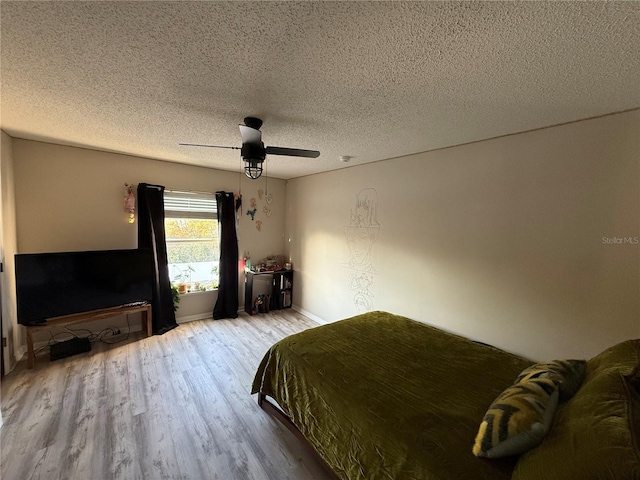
x=253, y=152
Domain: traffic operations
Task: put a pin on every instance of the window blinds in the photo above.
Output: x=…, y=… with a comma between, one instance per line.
x=189, y=204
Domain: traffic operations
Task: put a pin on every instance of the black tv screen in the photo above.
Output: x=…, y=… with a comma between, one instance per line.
x=50, y=285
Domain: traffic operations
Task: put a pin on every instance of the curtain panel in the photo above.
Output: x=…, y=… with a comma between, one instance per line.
x=151, y=235
x=227, y=304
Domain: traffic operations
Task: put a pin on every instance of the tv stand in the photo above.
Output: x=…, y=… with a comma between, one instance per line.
x=144, y=308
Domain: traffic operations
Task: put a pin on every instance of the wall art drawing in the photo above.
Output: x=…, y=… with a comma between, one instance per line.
x=361, y=234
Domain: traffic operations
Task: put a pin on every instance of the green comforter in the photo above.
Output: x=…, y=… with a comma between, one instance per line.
x=383, y=397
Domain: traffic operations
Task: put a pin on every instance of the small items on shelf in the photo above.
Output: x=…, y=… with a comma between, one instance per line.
x=262, y=304
x=286, y=299
x=272, y=263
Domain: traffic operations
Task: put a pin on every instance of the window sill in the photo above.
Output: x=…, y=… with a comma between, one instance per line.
x=198, y=292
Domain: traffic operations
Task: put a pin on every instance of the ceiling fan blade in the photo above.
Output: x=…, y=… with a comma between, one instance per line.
x=250, y=135
x=210, y=146
x=292, y=152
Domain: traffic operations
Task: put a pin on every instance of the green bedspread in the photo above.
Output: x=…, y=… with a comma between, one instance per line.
x=380, y=396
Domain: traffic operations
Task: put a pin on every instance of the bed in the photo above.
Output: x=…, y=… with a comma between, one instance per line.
x=380, y=396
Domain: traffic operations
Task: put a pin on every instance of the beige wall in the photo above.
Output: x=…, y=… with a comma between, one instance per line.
x=11, y=332
x=500, y=240
x=71, y=199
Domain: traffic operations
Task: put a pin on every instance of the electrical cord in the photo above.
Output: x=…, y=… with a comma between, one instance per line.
x=93, y=337
x=120, y=339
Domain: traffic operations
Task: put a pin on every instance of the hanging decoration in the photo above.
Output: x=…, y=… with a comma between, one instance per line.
x=262, y=205
x=130, y=202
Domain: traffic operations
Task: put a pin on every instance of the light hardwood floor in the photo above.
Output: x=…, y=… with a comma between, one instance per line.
x=175, y=406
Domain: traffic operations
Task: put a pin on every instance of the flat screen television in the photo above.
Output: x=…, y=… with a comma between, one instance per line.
x=51, y=285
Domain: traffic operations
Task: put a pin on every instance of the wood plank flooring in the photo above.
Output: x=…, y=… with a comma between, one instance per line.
x=175, y=406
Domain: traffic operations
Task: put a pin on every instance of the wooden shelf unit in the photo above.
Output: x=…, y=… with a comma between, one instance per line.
x=281, y=289
x=145, y=309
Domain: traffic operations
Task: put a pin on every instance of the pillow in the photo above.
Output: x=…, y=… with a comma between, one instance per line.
x=567, y=374
x=518, y=419
x=596, y=434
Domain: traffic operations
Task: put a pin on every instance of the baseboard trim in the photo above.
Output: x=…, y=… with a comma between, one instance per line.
x=310, y=315
x=193, y=318
x=19, y=354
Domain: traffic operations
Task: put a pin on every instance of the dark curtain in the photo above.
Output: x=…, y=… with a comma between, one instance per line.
x=151, y=235
x=227, y=303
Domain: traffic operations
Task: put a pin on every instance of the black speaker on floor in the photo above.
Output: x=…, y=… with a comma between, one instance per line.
x=70, y=347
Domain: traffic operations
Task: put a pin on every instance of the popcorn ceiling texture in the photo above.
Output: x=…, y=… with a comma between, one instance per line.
x=373, y=80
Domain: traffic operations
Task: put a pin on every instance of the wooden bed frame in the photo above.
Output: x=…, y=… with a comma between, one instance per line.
x=271, y=407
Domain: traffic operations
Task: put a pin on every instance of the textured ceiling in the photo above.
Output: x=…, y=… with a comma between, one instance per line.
x=373, y=80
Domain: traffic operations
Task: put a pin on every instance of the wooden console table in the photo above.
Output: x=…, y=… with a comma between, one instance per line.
x=145, y=309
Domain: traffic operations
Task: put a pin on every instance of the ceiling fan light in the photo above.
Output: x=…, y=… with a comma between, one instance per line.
x=252, y=169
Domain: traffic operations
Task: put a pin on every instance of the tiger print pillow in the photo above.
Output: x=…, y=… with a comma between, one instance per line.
x=567, y=374
x=518, y=419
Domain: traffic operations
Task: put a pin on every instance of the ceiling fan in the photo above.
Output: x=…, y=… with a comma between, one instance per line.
x=254, y=152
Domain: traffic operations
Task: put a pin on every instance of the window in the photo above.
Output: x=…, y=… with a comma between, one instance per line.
x=193, y=244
